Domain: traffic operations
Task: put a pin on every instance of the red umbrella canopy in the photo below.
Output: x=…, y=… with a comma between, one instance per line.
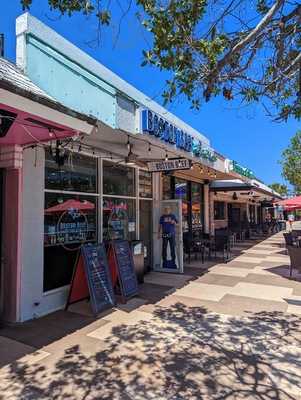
x=294, y=202
x=71, y=204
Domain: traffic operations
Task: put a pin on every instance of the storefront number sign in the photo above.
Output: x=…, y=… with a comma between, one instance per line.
x=92, y=273
x=157, y=126
x=125, y=268
x=170, y=165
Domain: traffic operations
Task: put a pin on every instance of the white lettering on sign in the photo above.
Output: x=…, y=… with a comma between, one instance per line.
x=170, y=165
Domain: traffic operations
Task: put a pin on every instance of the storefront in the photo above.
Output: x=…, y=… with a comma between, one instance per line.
x=237, y=204
x=29, y=120
x=192, y=195
x=91, y=199
x=99, y=188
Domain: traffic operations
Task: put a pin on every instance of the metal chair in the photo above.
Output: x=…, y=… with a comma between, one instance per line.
x=222, y=244
x=288, y=237
x=295, y=257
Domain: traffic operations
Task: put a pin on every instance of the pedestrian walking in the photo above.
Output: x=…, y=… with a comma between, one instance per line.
x=291, y=219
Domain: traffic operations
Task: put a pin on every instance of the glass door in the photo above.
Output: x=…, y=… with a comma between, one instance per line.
x=168, y=236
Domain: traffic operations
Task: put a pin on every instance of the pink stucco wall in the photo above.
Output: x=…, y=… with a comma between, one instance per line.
x=12, y=244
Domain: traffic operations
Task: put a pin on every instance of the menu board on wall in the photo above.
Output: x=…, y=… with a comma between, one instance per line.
x=93, y=261
x=125, y=268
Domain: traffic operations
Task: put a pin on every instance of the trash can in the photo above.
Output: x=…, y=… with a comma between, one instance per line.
x=138, y=256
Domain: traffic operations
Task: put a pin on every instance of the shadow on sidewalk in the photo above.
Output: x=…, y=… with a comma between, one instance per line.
x=53, y=327
x=182, y=353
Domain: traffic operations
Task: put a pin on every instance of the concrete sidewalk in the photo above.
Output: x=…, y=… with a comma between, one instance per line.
x=223, y=331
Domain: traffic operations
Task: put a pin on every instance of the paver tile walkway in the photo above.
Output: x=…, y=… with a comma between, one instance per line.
x=232, y=332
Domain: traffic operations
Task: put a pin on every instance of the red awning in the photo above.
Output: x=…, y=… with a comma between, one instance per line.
x=71, y=205
x=293, y=203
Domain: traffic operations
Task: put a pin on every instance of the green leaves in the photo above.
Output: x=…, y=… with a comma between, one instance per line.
x=250, y=94
x=26, y=4
x=291, y=162
x=104, y=17
x=279, y=188
x=262, y=6
x=217, y=48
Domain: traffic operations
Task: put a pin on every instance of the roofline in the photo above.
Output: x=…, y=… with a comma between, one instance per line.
x=46, y=102
x=28, y=24
x=246, y=187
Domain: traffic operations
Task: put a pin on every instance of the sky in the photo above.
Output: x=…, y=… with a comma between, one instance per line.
x=246, y=135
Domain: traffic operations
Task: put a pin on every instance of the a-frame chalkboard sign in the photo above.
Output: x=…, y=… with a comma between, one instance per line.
x=92, y=279
x=124, y=264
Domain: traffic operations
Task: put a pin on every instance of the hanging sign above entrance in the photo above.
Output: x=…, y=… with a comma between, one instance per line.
x=169, y=165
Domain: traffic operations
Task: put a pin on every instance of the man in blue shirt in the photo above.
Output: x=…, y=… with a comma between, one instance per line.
x=167, y=227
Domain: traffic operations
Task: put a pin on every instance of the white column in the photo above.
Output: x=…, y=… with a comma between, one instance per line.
x=33, y=234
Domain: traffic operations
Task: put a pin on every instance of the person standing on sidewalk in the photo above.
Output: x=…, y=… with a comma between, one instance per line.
x=291, y=219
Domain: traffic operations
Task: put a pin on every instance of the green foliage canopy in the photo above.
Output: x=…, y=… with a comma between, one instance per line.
x=291, y=162
x=280, y=188
x=214, y=48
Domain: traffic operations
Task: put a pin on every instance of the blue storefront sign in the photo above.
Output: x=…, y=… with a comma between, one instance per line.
x=160, y=128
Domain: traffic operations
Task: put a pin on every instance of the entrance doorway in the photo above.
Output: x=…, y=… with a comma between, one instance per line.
x=234, y=216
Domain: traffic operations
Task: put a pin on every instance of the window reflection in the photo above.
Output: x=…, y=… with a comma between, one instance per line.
x=167, y=187
x=78, y=174
x=181, y=191
x=69, y=219
x=118, y=179
x=196, y=206
x=119, y=220
x=145, y=184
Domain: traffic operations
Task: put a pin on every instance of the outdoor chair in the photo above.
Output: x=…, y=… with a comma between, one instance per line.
x=199, y=248
x=296, y=232
x=288, y=237
x=222, y=244
x=208, y=244
x=189, y=246
x=295, y=258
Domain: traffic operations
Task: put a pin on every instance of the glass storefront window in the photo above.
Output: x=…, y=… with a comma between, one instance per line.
x=118, y=180
x=181, y=192
x=196, y=206
x=119, y=219
x=167, y=187
x=219, y=210
x=145, y=184
x=181, y=189
x=78, y=174
x=69, y=221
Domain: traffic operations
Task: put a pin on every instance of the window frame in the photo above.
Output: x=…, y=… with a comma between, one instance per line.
x=219, y=217
x=99, y=196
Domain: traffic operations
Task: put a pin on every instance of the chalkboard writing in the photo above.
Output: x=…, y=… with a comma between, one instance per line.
x=98, y=277
x=125, y=268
